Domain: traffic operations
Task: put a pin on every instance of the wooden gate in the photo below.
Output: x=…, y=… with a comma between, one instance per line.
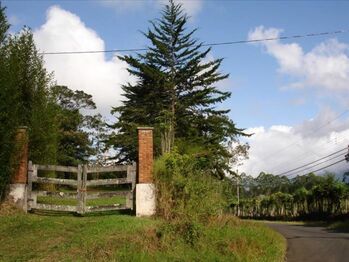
x=82, y=183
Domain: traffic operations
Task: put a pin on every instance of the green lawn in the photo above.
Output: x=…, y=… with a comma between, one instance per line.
x=54, y=200
x=117, y=237
x=73, y=202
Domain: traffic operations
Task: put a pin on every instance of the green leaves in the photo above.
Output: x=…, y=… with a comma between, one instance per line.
x=79, y=136
x=176, y=92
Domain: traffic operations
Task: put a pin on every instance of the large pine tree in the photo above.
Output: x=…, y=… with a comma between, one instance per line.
x=176, y=92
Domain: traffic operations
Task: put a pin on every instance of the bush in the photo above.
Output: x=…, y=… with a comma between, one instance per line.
x=185, y=190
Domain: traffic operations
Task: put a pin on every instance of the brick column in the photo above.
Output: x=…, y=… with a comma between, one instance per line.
x=20, y=175
x=145, y=155
x=18, y=186
x=145, y=189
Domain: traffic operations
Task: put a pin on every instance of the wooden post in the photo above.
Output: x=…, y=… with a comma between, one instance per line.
x=131, y=176
x=79, y=207
x=84, y=188
x=30, y=199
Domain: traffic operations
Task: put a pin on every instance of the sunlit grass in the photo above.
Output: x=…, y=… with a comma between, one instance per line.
x=116, y=237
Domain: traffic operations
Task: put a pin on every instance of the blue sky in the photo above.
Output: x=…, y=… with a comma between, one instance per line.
x=269, y=86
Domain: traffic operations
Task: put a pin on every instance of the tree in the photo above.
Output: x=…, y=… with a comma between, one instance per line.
x=29, y=83
x=7, y=107
x=24, y=84
x=58, y=131
x=176, y=92
x=75, y=129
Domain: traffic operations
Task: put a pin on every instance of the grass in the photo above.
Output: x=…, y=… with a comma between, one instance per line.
x=90, y=202
x=73, y=202
x=117, y=237
x=339, y=226
x=342, y=226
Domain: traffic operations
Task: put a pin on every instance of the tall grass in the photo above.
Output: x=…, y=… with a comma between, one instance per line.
x=112, y=237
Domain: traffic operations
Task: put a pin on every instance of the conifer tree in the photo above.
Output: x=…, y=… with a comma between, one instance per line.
x=7, y=108
x=29, y=84
x=177, y=93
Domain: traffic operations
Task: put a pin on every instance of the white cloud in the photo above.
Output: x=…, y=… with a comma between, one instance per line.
x=191, y=7
x=326, y=66
x=281, y=148
x=92, y=73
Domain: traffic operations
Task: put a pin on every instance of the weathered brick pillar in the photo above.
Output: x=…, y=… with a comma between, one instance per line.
x=145, y=155
x=145, y=189
x=19, y=178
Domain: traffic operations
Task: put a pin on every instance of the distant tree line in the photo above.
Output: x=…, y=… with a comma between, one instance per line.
x=308, y=196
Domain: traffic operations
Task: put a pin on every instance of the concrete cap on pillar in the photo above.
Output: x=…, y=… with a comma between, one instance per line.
x=145, y=128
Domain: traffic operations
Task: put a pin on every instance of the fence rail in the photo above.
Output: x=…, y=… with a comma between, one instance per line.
x=56, y=181
x=81, y=183
x=68, y=169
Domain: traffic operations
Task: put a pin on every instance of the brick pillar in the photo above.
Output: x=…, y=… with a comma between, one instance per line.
x=18, y=186
x=145, y=189
x=145, y=155
x=21, y=151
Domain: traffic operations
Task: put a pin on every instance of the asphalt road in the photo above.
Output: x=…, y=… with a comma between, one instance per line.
x=309, y=243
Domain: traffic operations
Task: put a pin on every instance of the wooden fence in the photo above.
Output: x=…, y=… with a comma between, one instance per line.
x=81, y=183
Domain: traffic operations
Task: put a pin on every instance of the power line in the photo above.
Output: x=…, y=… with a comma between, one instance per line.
x=204, y=45
x=339, y=151
x=335, y=163
x=332, y=142
x=318, y=164
x=313, y=131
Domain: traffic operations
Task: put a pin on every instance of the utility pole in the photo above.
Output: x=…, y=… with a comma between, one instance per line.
x=346, y=200
x=238, y=191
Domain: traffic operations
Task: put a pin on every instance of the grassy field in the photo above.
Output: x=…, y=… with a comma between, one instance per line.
x=118, y=237
x=73, y=202
x=54, y=200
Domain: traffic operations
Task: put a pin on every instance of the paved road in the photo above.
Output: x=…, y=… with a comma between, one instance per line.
x=308, y=243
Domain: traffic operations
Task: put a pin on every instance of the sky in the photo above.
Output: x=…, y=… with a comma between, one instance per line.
x=292, y=95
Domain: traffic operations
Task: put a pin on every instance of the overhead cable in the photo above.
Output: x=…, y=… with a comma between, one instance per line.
x=301, y=167
x=204, y=45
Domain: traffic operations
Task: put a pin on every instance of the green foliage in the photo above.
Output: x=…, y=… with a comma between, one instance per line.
x=7, y=108
x=58, y=132
x=28, y=84
x=75, y=130
x=176, y=93
x=308, y=196
x=184, y=191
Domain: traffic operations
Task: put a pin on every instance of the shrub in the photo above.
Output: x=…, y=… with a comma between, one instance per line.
x=185, y=190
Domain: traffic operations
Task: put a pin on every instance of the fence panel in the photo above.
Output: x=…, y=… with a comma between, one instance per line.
x=81, y=183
